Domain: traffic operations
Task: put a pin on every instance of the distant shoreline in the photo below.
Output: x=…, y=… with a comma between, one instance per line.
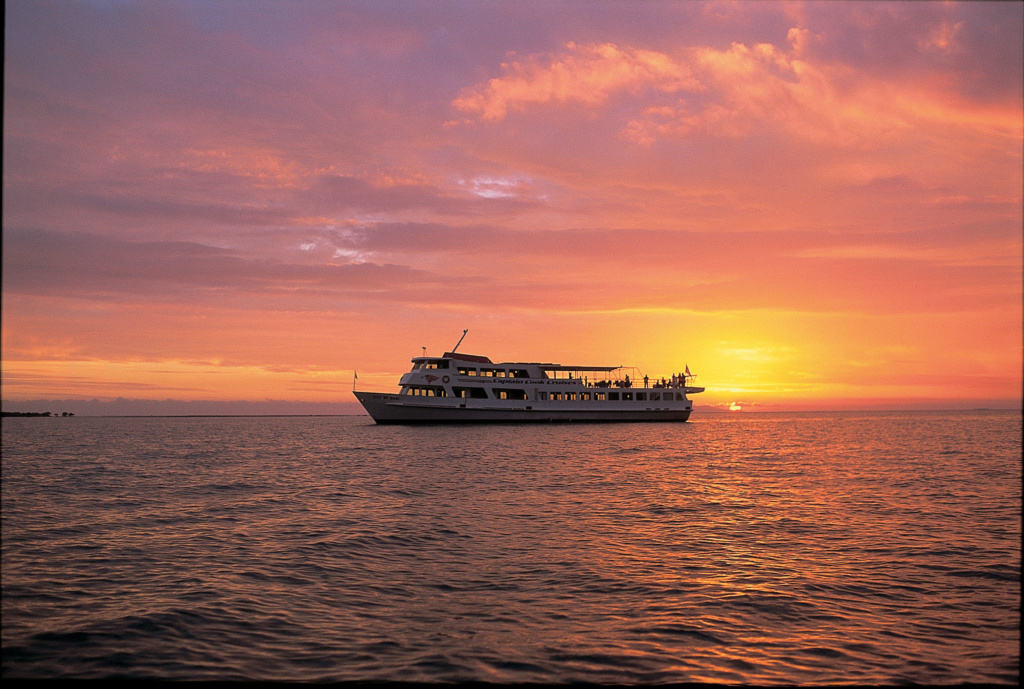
x=52, y=415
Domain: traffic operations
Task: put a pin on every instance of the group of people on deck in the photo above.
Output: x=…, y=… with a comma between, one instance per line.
x=677, y=380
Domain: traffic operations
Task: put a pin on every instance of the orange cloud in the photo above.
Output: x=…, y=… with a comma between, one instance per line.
x=827, y=103
x=736, y=91
x=942, y=38
x=267, y=168
x=586, y=74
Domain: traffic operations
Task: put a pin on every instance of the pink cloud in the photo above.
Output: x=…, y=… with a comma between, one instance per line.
x=734, y=93
x=587, y=74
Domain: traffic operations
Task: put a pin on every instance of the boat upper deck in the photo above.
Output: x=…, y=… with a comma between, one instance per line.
x=482, y=368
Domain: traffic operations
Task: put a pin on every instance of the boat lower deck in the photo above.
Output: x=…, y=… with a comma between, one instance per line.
x=387, y=408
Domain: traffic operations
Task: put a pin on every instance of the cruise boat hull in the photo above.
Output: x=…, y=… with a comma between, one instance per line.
x=387, y=408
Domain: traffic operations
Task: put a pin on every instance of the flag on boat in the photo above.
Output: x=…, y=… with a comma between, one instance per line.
x=688, y=370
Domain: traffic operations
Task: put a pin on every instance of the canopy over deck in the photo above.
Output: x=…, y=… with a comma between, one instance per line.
x=467, y=357
x=486, y=360
x=560, y=367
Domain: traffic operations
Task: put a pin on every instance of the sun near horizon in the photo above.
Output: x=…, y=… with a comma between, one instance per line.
x=811, y=205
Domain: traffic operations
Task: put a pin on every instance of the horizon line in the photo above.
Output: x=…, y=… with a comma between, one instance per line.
x=712, y=410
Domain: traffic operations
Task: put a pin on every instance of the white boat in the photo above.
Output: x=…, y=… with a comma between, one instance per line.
x=466, y=388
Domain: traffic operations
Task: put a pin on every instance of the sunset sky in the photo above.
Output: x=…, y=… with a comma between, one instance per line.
x=813, y=205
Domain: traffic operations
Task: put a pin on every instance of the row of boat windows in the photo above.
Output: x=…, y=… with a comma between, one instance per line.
x=472, y=370
x=517, y=394
x=495, y=372
x=462, y=391
x=433, y=363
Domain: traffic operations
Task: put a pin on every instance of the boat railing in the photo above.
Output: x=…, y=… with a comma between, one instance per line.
x=677, y=381
x=652, y=385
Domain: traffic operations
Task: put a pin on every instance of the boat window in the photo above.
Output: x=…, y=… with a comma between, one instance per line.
x=600, y=396
x=627, y=395
x=556, y=395
x=655, y=396
x=519, y=373
x=585, y=396
x=542, y=395
x=641, y=396
x=570, y=395
x=466, y=371
x=425, y=391
x=613, y=396
x=473, y=392
x=511, y=394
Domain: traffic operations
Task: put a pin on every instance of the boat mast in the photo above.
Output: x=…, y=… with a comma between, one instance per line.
x=460, y=340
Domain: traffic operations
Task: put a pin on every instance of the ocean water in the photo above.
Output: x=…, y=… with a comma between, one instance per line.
x=738, y=548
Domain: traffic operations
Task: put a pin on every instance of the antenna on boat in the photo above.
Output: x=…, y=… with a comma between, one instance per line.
x=460, y=340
